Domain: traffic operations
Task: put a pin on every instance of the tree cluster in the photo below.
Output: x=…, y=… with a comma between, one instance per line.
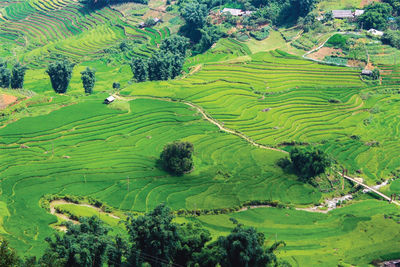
x=96, y=4
x=308, y=164
x=60, y=73
x=279, y=12
x=305, y=164
x=391, y=38
x=201, y=33
x=163, y=65
x=88, y=79
x=375, y=16
x=151, y=240
x=15, y=78
x=176, y=157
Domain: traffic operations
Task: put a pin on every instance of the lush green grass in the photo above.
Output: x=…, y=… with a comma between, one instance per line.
x=89, y=149
x=356, y=234
x=297, y=93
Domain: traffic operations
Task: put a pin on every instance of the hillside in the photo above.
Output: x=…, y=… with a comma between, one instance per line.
x=245, y=90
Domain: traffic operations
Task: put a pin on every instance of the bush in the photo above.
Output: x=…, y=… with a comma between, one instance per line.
x=260, y=35
x=308, y=164
x=176, y=158
x=60, y=74
x=337, y=41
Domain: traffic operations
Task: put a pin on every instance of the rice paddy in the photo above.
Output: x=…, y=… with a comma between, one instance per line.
x=74, y=145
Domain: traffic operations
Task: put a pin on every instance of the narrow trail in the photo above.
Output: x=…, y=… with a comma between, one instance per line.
x=207, y=117
x=370, y=188
x=241, y=135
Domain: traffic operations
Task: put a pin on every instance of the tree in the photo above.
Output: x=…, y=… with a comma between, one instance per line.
x=175, y=44
x=60, y=74
x=116, y=85
x=139, y=68
x=192, y=239
x=195, y=14
x=116, y=251
x=18, y=76
x=83, y=245
x=375, y=16
x=376, y=74
x=308, y=164
x=176, y=157
x=242, y=247
x=154, y=237
x=88, y=79
x=8, y=257
x=5, y=74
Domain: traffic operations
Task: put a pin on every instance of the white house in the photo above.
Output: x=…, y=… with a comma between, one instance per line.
x=358, y=12
x=375, y=32
x=109, y=99
x=342, y=14
x=233, y=11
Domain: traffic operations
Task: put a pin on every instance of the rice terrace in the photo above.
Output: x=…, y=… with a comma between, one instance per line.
x=199, y=133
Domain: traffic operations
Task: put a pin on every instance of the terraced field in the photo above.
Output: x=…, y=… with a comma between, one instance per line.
x=275, y=98
x=89, y=149
x=353, y=235
x=78, y=146
x=46, y=30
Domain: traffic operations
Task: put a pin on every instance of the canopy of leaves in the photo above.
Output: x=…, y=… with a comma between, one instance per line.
x=83, y=245
x=375, y=16
x=60, y=74
x=88, y=79
x=5, y=74
x=95, y=4
x=8, y=257
x=308, y=164
x=176, y=157
x=18, y=75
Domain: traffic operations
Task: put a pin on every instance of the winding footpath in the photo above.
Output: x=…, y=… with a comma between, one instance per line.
x=241, y=135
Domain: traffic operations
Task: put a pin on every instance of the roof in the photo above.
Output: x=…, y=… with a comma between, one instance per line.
x=156, y=19
x=375, y=32
x=366, y=72
x=110, y=98
x=358, y=12
x=247, y=13
x=341, y=14
x=233, y=11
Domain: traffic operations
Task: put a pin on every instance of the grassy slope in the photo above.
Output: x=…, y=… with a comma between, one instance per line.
x=356, y=234
x=96, y=149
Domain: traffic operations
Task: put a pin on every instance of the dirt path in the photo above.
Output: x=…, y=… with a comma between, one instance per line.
x=53, y=211
x=354, y=180
x=207, y=117
x=239, y=134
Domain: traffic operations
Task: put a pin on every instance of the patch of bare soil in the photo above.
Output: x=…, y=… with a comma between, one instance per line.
x=6, y=100
x=325, y=51
x=356, y=63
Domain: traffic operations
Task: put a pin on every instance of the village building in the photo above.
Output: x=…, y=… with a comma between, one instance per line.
x=358, y=12
x=237, y=12
x=342, y=14
x=366, y=72
x=109, y=100
x=375, y=32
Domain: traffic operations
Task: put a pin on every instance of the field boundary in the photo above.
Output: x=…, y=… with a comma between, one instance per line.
x=241, y=135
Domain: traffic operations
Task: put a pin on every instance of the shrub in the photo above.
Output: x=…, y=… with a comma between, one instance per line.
x=176, y=157
x=338, y=41
x=308, y=164
x=88, y=79
x=60, y=74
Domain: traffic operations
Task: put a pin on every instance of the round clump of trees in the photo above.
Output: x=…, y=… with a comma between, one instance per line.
x=176, y=158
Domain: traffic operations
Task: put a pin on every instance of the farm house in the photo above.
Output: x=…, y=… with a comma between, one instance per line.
x=109, y=99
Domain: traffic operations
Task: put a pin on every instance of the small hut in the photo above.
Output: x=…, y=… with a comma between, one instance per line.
x=109, y=100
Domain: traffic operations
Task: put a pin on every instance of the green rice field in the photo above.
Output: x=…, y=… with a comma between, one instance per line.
x=260, y=92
